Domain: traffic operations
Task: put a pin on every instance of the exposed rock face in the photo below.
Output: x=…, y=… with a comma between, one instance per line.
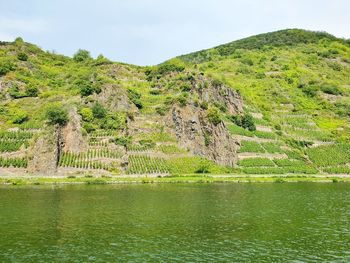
x=43, y=156
x=73, y=140
x=203, y=138
x=115, y=99
x=219, y=93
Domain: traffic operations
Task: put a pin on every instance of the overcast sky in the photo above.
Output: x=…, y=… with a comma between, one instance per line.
x=147, y=32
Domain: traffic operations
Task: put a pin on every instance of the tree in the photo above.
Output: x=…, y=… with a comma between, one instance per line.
x=56, y=114
x=81, y=55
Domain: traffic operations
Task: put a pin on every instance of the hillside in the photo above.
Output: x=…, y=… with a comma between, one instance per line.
x=276, y=103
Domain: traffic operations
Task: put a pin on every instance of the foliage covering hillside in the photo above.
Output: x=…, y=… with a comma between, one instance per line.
x=295, y=86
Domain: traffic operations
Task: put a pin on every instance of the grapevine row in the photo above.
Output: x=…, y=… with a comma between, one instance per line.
x=13, y=162
x=139, y=164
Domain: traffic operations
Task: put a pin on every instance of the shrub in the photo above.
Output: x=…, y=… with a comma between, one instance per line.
x=204, y=166
x=161, y=110
x=170, y=67
x=31, y=91
x=182, y=100
x=310, y=91
x=15, y=92
x=98, y=111
x=135, y=98
x=81, y=55
x=56, y=114
x=86, y=114
x=19, y=116
x=155, y=91
x=114, y=121
x=186, y=87
x=89, y=127
x=216, y=83
x=6, y=66
x=246, y=121
x=331, y=90
x=86, y=90
x=122, y=141
x=214, y=115
x=22, y=56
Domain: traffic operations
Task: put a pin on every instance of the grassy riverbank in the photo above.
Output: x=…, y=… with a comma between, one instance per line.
x=39, y=180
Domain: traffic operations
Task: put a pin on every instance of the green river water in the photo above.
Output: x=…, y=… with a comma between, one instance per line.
x=269, y=222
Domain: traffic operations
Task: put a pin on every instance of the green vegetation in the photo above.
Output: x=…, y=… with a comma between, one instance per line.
x=294, y=117
x=253, y=162
x=56, y=114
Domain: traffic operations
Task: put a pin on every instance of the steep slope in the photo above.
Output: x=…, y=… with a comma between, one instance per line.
x=276, y=103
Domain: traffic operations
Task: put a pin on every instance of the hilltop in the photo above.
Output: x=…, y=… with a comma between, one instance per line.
x=276, y=103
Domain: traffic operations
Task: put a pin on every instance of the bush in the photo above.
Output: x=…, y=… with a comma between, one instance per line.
x=310, y=91
x=214, y=116
x=98, y=111
x=182, y=100
x=6, y=66
x=161, y=110
x=114, y=121
x=81, y=55
x=89, y=127
x=86, y=90
x=31, y=91
x=122, y=141
x=15, y=92
x=331, y=90
x=135, y=98
x=19, y=116
x=22, y=56
x=246, y=121
x=56, y=114
x=86, y=114
x=203, y=167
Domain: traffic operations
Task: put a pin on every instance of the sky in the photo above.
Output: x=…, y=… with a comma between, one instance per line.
x=148, y=32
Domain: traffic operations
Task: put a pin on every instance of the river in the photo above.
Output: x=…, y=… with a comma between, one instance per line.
x=252, y=222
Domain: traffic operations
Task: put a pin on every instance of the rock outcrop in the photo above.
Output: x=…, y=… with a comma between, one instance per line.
x=218, y=93
x=115, y=99
x=73, y=140
x=44, y=154
x=203, y=138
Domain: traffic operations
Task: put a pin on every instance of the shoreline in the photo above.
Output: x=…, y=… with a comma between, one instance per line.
x=15, y=180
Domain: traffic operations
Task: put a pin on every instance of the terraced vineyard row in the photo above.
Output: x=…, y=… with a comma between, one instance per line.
x=17, y=135
x=13, y=162
x=93, y=153
x=146, y=165
x=10, y=146
x=83, y=164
